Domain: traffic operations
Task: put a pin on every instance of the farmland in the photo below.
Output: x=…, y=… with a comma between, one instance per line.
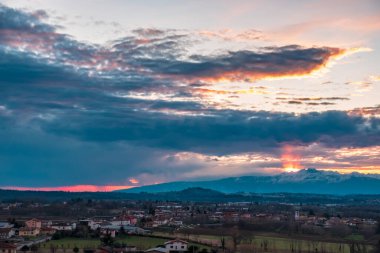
x=141, y=242
x=269, y=243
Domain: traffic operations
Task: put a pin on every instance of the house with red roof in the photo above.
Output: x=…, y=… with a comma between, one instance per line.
x=7, y=247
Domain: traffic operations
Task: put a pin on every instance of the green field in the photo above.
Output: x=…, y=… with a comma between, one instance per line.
x=273, y=243
x=257, y=243
x=141, y=242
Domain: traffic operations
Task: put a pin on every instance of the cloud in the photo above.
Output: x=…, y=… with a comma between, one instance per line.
x=123, y=110
x=85, y=91
x=311, y=101
x=157, y=54
x=249, y=66
x=370, y=111
x=231, y=35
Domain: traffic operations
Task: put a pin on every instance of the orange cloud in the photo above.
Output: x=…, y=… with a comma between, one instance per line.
x=133, y=181
x=375, y=78
x=326, y=58
x=371, y=111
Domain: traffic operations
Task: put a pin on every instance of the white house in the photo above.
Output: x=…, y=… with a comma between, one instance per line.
x=176, y=245
x=173, y=246
x=120, y=222
x=64, y=226
x=6, y=233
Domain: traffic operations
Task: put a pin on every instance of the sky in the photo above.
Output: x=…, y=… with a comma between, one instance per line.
x=102, y=95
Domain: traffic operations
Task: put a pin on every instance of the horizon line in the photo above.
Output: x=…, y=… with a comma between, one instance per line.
x=111, y=188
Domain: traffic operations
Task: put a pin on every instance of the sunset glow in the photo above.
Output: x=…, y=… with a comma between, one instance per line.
x=290, y=160
x=71, y=188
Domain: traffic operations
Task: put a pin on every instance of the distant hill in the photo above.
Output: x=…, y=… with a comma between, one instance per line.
x=305, y=181
x=195, y=194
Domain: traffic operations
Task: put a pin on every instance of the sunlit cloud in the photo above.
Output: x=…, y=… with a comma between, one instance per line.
x=375, y=78
x=133, y=181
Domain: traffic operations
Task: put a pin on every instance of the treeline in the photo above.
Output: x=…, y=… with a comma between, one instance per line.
x=191, y=194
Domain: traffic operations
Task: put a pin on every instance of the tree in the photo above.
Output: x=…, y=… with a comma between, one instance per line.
x=223, y=243
x=107, y=239
x=122, y=230
x=238, y=236
x=265, y=245
x=356, y=247
x=193, y=249
x=34, y=248
x=376, y=249
x=25, y=248
x=56, y=236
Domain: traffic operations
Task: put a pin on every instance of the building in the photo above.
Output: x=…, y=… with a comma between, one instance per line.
x=297, y=215
x=176, y=245
x=7, y=247
x=28, y=231
x=33, y=223
x=6, y=233
x=47, y=231
x=64, y=226
x=111, y=232
x=173, y=246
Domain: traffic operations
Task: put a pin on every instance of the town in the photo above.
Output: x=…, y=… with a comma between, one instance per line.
x=107, y=226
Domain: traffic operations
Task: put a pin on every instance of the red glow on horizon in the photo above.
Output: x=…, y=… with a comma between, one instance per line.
x=72, y=188
x=290, y=160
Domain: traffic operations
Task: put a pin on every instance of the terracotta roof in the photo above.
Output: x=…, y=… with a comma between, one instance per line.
x=5, y=245
x=5, y=230
x=34, y=219
x=27, y=229
x=47, y=229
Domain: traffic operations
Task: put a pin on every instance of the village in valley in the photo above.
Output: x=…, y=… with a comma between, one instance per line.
x=86, y=226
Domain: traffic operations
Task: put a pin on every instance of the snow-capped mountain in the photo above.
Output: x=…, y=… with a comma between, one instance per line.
x=304, y=181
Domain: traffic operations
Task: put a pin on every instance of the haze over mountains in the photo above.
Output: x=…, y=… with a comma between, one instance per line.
x=304, y=181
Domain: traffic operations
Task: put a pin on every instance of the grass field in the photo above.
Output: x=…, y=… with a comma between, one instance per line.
x=273, y=243
x=141, y=242
x=258, y=242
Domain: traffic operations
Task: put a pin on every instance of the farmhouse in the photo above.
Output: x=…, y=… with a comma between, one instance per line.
x=28, y=231
x=6, y=233
x=173, y=246
x=47, y=231
x=64, y=226
x=7, y=248
x=176, y=245
x=33, y=223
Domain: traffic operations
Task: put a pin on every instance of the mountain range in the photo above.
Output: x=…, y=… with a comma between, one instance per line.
x=310, y=180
